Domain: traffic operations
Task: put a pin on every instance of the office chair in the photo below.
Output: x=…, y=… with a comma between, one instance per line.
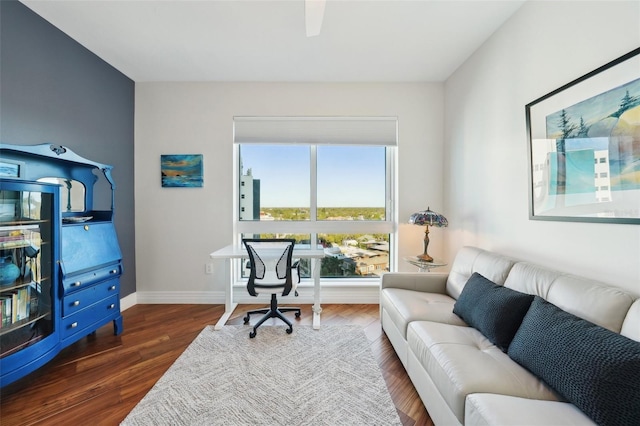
x=271, y=266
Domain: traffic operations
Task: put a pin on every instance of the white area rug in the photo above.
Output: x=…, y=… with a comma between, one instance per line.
x=310, y=377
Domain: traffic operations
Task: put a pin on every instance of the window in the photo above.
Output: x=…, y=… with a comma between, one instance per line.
x=276, y=178
x=351, y=182
x=335, y=196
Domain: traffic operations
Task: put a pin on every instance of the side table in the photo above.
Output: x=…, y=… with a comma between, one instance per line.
x=424, y=266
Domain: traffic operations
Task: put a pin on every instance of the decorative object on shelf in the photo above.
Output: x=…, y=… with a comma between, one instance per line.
x=584, y=147
x=428, y=218
x=182, y=171
x=9, y=271
x=76, y=219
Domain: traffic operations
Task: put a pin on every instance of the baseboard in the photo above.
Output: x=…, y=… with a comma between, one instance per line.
x=180, y=297
x=128, y=301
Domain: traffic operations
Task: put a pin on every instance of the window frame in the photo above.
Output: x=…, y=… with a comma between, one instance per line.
x=314, y=227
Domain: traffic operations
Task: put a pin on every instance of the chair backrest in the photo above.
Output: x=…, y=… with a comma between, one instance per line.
x=270, y=260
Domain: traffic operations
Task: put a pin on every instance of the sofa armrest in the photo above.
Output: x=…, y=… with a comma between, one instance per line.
x=428, y=282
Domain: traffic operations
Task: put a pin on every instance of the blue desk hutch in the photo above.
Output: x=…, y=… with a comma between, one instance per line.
x=60, y=261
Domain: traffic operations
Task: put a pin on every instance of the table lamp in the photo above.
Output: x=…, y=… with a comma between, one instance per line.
x=428, y=218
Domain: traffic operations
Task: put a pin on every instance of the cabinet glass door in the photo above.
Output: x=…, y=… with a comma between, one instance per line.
x=26, y=268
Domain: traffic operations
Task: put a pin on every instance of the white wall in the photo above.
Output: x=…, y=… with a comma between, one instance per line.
x=542, y=47
x=177, y=228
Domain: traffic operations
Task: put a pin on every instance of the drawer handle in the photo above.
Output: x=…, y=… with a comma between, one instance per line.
x=76, y=284
x=111, y=306
x=113, y=287
x=74, y=325
x=113, y=271
x=76, y=303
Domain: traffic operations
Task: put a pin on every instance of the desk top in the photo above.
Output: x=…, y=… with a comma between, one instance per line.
x=238, y=252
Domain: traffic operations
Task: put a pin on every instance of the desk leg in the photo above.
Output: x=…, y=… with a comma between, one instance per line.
x=229, y=305
x=317, y=309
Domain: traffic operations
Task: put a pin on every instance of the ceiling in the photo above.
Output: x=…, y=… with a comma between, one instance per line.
x=243, y=40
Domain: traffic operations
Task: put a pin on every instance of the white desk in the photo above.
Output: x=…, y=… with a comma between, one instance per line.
x=231, y=252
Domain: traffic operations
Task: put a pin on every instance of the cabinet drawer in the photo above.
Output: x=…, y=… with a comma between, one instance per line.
x=80, y=281
x=102, y=311
x=88, y=296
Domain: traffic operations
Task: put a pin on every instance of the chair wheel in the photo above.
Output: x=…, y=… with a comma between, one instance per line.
x=252, y=334
x=289, y=330
x=246, y=319
x=297, y=314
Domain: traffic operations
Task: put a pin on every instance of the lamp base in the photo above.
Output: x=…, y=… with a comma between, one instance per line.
x=425, y=256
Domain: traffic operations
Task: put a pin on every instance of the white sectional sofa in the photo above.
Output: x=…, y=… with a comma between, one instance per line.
x=571, y=355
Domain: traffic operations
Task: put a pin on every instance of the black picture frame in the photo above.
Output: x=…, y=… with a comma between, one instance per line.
x=584, y=147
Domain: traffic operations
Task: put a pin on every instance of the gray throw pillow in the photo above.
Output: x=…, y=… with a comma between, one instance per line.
x=492, y=309
x=592, y=367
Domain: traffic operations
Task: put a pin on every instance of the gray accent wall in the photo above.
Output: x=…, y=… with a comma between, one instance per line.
x=53, y=90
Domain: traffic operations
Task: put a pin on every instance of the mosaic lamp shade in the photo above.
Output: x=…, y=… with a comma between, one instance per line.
x=428, y=218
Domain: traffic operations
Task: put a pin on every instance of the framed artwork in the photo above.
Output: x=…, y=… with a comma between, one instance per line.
x=584, y=147
x=11, y=169
x=181, y=170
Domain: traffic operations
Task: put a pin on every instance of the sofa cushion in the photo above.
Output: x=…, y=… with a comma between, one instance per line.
x=404, y=306
x=491, y=409
x=531, y=279
x=494, y=310
x=461, y=361
x=469, y=260
x=591, y=300
x=631, y=324
x=592, y=367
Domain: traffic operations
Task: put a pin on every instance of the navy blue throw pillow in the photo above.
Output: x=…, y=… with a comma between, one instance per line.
x=492, y=309
x=592, y=367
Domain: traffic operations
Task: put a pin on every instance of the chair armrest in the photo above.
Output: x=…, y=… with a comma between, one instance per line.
x=428, y=282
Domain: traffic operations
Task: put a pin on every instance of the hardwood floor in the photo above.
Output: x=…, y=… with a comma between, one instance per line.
x=99, y=379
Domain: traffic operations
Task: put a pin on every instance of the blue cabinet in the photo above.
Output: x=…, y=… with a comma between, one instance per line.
x=85, y=261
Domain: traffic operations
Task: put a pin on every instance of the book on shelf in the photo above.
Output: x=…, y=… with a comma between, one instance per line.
x=13, y=239
x=16, y=236
x=6, y=245
x=34, y=297
x=16, y=306
x=24, y=302
x=6, y=302
x=11, y=236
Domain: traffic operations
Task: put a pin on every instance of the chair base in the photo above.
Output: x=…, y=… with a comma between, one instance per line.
x=272, y=312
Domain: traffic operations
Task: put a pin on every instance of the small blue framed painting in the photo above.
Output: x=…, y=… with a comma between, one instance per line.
x=181, y=171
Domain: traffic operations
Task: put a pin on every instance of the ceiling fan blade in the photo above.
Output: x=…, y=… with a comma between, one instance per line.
x=313, y=15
